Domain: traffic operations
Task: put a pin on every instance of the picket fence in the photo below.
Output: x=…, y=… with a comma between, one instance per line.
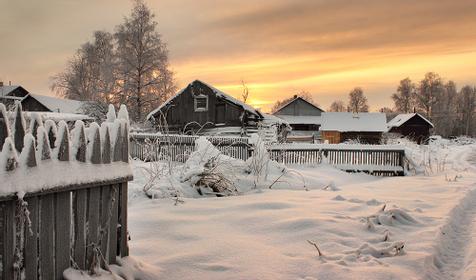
x=380, y=160
x=70, y=223
x=152, y=147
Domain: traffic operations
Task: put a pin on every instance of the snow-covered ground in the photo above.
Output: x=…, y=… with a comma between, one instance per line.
x=413, y=227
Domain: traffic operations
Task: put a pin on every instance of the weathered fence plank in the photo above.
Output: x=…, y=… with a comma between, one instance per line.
x=47, y=226
x=31, y=240
x=63, y=226
x=8, y=240
x=113, y=224
x=79, y=212
x=92, y=233
x=123, y=220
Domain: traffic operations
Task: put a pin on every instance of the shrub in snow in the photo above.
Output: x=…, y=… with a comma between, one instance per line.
x=208, y=170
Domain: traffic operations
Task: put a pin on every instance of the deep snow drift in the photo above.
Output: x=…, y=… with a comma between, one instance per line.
x=364, y=227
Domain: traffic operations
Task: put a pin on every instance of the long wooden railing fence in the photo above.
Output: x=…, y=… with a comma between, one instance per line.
x=63, y=200
x=382, y=160
x=152, y=147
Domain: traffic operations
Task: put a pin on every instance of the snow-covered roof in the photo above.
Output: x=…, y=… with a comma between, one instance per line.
x=294, y=100
x=68, y=117
x=403, y=118
x=291, y=119
x=5, y=90
x=272, y=119
x=354, y=122
x=58, y=105
x=217, y=92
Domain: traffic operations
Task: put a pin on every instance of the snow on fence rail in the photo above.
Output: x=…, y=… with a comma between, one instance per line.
x=151, y=147
x=63, y=200
x=386, y=160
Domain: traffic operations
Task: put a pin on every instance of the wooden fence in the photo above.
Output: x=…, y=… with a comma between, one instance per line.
x=152, y=147
x=382, y=160
x=63, y=200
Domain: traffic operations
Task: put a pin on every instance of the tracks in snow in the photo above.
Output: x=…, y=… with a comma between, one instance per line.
x=454, y=241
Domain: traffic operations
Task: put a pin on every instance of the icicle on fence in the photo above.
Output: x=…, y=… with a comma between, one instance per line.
x=50, y=218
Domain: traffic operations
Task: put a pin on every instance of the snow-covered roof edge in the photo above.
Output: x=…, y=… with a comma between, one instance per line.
x=400, y=119
x=217, y=92
x=294, y=99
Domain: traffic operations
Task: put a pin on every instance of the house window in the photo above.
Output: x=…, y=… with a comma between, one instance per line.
x=201, y=103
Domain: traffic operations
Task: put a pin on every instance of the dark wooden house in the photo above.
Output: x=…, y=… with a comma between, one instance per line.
x=366, y=128
x=200, y=106
x=413, y=126
x=303, y=117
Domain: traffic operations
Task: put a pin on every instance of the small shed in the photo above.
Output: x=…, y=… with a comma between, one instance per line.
x=413, y=126
x=200, y=106
x=303, y=117
x=367, y=128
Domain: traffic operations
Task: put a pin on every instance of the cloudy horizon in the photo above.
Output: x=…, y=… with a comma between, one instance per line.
x=277, y=47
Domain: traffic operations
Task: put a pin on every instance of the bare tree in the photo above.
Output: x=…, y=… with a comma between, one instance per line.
x=428, y=91
x=358, y=101
x=466, y=109
x=444, y=110
x=337, y=106
x=404, y=98
x=246, y=92
x=143, y=62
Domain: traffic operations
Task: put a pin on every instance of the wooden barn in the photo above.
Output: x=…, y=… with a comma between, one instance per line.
x=303, y=117
x=413, y=126
x=366, y=128
x=200, y=106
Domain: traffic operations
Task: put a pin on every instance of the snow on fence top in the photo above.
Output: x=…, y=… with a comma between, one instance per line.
x=343, y=147
x=46, y=155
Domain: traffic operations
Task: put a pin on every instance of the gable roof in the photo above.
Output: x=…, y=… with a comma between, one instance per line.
x=218, y=92
x=58, y=105
x=294, y=100
x=5, y=90
x=354, y=122
x=403, y=118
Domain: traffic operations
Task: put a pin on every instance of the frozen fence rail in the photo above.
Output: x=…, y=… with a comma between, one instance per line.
x=63, y=199
x=381, y=160
x=151, y=147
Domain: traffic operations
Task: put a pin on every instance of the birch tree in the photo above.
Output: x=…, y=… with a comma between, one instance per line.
x=337, y=106
x=404, y=98
x=146, y=80
x=428, y=91
x=358, y=101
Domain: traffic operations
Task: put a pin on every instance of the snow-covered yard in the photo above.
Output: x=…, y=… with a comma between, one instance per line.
x=409, y=227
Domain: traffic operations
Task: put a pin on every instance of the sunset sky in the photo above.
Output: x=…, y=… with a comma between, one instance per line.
x=278, y=47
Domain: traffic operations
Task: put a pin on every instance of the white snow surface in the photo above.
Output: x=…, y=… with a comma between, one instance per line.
x=366, y=227
x=350, y=122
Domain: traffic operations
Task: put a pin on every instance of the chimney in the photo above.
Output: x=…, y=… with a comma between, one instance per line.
x=1, y=84
x=9, y=83
x=295, y=96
